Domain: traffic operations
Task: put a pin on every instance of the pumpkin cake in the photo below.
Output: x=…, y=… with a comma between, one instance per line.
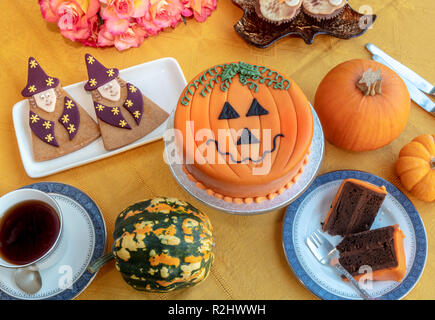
x=381, y=249
x=246, y=132
x=354, y=208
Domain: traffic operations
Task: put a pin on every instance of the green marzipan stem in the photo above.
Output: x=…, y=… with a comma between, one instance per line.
x=249, y=75
x=101, y=261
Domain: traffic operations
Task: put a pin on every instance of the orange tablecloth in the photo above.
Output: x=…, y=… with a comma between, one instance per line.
x=250, y=262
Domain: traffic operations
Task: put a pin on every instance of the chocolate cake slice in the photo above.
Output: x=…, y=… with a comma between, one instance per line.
x=380, y=249
x=354, y=208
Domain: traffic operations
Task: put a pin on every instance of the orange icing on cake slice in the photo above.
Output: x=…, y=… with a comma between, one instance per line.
x=364, y=184
x=398, y=272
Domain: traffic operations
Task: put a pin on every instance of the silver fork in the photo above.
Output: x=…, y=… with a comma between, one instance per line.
x=326, y=253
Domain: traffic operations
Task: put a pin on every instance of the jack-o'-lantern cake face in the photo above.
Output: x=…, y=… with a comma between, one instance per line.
x=246, y=131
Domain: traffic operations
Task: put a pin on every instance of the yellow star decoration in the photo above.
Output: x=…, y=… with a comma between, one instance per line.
x=136, y=114
x=100, y=107
x=32, y=88
x=110, y=72
x=91, y=59
x=46, y=125
x=34, y=118
x=92, y=82
x=71, y=128
x=122, y=123
x=49, y=137
x=65, y=118
x=132, y=89
x=69, y=104
x=115, y=111
x=49, y=82
x=128, y=103
x=33, y=64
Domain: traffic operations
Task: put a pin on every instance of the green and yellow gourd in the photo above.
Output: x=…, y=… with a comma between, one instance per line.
x=160, y=245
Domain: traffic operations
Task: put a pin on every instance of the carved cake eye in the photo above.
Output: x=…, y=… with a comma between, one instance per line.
x=256, y=109
x=228, y=112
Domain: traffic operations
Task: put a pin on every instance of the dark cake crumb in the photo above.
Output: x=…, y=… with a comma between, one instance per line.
x=354, y=211
x=374, y=248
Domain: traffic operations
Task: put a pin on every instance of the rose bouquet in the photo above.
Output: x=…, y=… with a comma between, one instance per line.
x=120, y=23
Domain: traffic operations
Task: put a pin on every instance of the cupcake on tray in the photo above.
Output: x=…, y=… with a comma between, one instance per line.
x=323, y=9
x=278, y=11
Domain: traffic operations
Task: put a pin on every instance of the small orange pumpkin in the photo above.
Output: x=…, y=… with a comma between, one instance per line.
x=362, y=105
x=416, y=167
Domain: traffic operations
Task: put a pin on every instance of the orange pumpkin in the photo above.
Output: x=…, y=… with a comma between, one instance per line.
x=362, y=105
x=416, y=167
x=236, y=107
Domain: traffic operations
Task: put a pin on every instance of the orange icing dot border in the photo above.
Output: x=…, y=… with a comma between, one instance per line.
x=249, y=200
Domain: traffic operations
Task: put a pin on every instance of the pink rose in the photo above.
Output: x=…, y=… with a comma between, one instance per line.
x=200, y=9
x=124, y=9
x=120, y=23
x=161, y=14
x=132, y=38
x=105, y=38
x=46, y=11
x=120, y=13
x=92, y=40
x=73, y=17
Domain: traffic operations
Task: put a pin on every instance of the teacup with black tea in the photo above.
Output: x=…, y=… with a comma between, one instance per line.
x=27, y=231
x=30, y=227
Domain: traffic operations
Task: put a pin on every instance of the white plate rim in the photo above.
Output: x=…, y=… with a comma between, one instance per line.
x=417, y=268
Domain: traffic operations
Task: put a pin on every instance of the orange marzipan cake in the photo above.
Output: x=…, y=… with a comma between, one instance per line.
x=246, y=132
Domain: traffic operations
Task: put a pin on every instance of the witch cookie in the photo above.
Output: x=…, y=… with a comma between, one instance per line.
x=124, y=113
x=59, y=125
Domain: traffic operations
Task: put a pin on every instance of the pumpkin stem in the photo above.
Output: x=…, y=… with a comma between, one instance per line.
x=370, y=83
x=101, y=261
x=432, y=163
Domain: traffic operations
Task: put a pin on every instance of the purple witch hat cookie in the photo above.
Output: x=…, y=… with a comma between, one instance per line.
x=124, y=114
x=98, y=74
x=37, y=80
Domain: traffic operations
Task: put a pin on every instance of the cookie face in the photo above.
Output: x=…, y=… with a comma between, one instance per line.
x=111, y=90
x=46, y=100
x=323, y=7
x=278, y=11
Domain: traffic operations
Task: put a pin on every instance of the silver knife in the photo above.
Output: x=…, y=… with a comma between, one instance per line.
x=416, y=95
x=403, y=71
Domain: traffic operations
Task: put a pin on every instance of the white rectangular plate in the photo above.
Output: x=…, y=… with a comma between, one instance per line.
x=160, y=80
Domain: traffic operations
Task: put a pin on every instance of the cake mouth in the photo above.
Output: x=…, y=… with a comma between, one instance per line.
x=234, y=160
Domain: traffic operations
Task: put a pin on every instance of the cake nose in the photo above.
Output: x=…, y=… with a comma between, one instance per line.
x=247, y=137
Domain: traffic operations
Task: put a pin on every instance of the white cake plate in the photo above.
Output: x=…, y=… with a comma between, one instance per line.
x=304, y=181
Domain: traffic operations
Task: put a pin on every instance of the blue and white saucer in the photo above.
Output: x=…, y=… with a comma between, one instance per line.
x=83, y=241
x=304, y=216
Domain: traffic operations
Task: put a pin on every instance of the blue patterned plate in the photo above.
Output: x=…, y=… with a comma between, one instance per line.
x=305, y=214
x=83, y=240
